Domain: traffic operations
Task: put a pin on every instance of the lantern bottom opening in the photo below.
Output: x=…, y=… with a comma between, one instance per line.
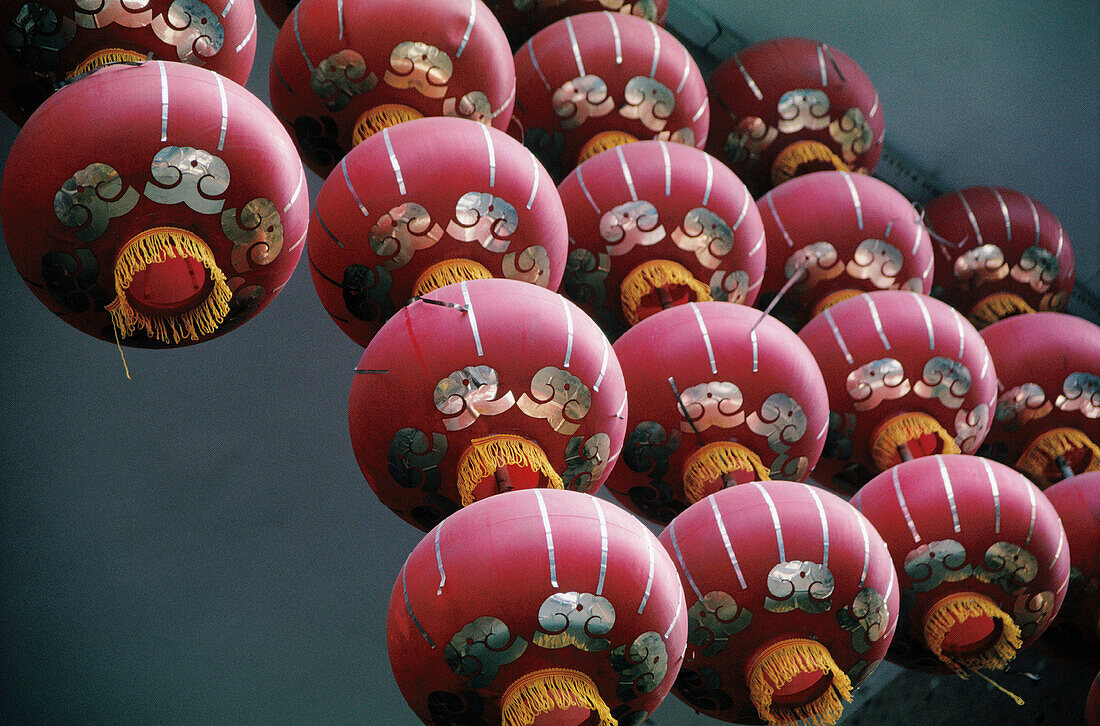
x=449, y=272
x=1078, y=452
x=554, y=697
x=374, y=120
x=916, y=433
x=833, y=298
x=658, y=284
x=992, y=641
x=997, y=306
x=500, y=463
x=718, y=465
x=602, y=142
x=804, y=157
x=796, y=681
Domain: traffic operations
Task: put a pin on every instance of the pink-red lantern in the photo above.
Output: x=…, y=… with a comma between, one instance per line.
x=593, y=81
x=425, y=204
x=981, y=554
x=483, y=387
x=342, y=71
x=523, y=18
x=791, y=106
x=836, y=235
x=714, y=401
x=654, y=224
x=1075, y=633
x=907, y=376
x=793, y=601
x=49, y=42
x=173, y=212
x=537, y=606
x=999, y=253
x=1047, y=422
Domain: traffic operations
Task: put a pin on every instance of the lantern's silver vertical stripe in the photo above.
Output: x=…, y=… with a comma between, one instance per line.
x=726, y=541
x=928, y=268
x=569, y=330
x=408, y=605
x=473, y=318
x=756, y=248
x=618, y=38
x=1031, y=527
x=298, y=37
x=1058, y=553
x=680, y=559
x=317, y=213
x=686, y=73
x=656, y=49
x=710, y=181
x=1004, y=213
x=950, y=491
x=996, y=494
x=903, y=505
x=874, y=107
x=679, y=607
x=626, y=173
x=549, y=539
x=297, y=191
x=228, y=5
x=163, y=102
x=603, y=545
x=293, y=247
x=877, y=321
x=755, y=351
x=668, y=167
x=824, y=526
x=858, y=501
x=492, y=155
x=973, y=219
x=824, y=431
x=962, y=335
x=649, y=581
x=251, y=32
x=748, y=79
x=927, y=320
x=393, y=160
x=1061, y=239
x=706, y=337
x=535, y=63
x=535, y=176
x=584, y=188
x=225, y=111
x=775, y=521
x=505, y=103
x=889, y=589
x=699, y=111
x=836, y=334
x=1034, y=216
x=469, y=29
x=779, y=222
x=866, y=549
x=985, y=364
x=439, y=561
x=821, y=65
x=354, y=194
x=855, y=198
x=576, y=48
x=619, y=413
x=919, y=238
x=744, y=207
x=340, y=16
x=603, y=366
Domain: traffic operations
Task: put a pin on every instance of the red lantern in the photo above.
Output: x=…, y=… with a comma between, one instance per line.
x=403, y=216
x=790, y=106
x=537, y=607
x=341, y=72
x=521, y=19
x=1000, y=253
x=654, y=224
x=905, y=372
x=1047, y=422
x=486, y=386
x=169, y=215
x=597, y=80
x=1075, y=633
x=794, y=602
x=836, y=235
x=49, y=42
x=715, y=401
x=982, y=557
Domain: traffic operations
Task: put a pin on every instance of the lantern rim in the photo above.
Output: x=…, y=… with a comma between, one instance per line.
x=1039, y=458
x=904, y=430
x=652, y=277
x=489, y=457
x=998, y=306
x=707, y=468
x=782, y=662
x=378, y=118
x=994, y=650
x=551, y=689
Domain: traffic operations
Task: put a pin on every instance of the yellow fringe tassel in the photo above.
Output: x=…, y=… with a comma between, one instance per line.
x=953, y=610
x=786, y=166
x=996, y=307
x=715, y=459
x=781, y=664
x=603, y=141
x=901, y=429
x=157, y=245
x=1048, y=447
x=648, y=276
x=482, y=458
x=449, y=272
x=549, y=690
x=832, y=299
x=105, y=57
x=382, y=117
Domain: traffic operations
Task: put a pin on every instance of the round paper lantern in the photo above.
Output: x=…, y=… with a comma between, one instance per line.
x=593, y=81
x=537, y=606
x=1075, y=633
x=905, y=373
x=1001, y=253
x=523, y=18
x=836, y=235
x=341, y=72
x=654, y=224
x=174, y=211
x=483, y=387
x=1047, y=421
x=790, y=106
x=425, y=204
x=49, y=42
x=714, y=402
x=793, y=601
x=981, y=554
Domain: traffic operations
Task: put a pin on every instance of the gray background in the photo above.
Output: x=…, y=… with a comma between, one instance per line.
x=197, y=545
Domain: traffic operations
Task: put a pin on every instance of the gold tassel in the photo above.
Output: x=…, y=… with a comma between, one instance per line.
x=603, y=141
x=833, y=298
x=548, y=690
x=714, y=460
x=783, y=662
x=903, y=428
x=648, y=276
x=1049, y=446
x=449, y=272
x=105, y=57
x=957, y=608
x=786, y=166
x=485, y=455
x=382, y=117
x=996, y=307
x=154, y=246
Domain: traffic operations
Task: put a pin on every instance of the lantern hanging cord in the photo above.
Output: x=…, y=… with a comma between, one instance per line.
x=441, y=303
x=121, y=355
x=791, y=282
x=682, y=407
x=370, y=371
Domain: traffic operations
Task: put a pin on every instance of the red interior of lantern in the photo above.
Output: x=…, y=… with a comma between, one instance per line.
x=925, y=445
x=803, y=688
x=652, y=303
x=572, y=716
x=971, y=636
x=1078, y=458
x=508, y=477
x=170, y=287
